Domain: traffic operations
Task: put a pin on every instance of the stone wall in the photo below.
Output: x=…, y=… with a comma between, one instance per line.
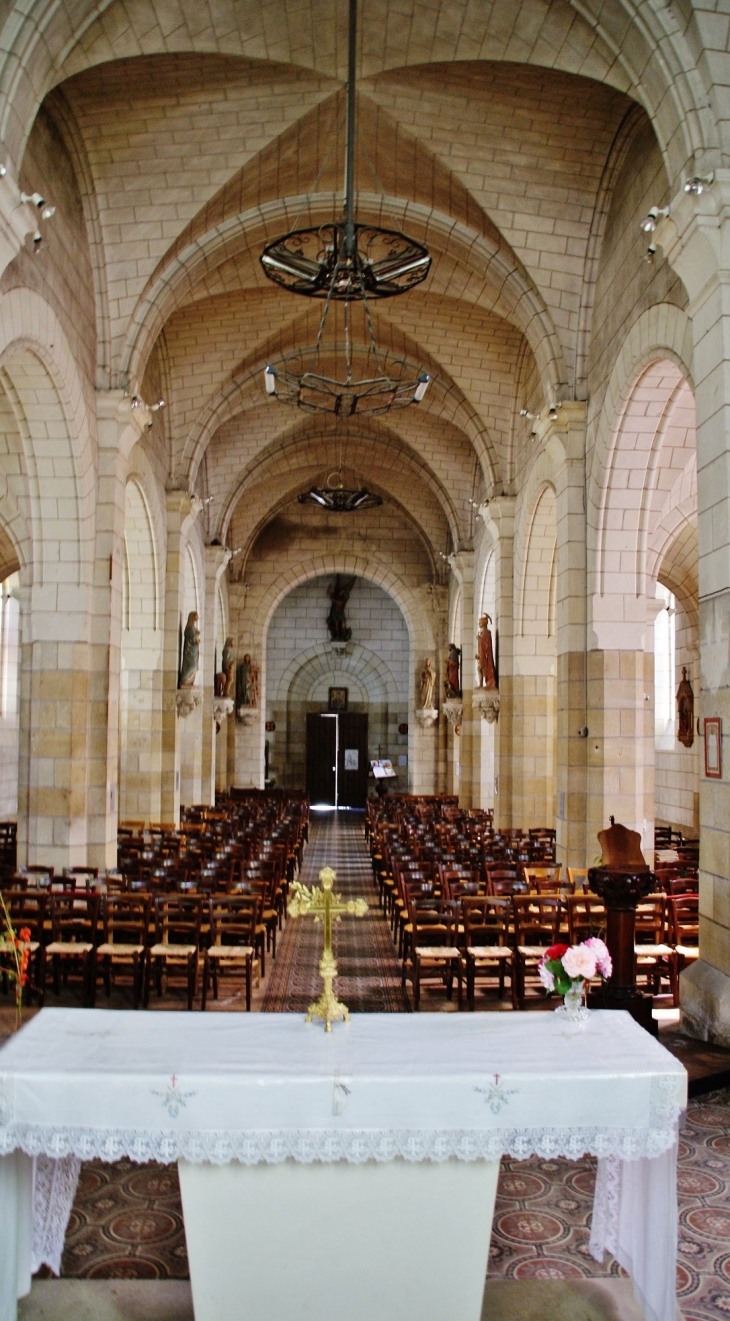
x=301, y=665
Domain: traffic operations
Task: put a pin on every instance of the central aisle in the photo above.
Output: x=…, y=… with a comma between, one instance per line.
x=368, y=978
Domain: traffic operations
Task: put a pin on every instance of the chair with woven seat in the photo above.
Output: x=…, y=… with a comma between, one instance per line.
x=537, y=927
x=176, y=950
x=72, y=948
x=654, y=957
x=434, y=951
x=125, y=920
x=578, y=877
x=586, y=917
x=545, y=880
x=487, y=948
x=684, y=928
x=232, y=921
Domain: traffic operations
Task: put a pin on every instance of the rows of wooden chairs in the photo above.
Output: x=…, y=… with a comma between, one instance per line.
x=142, y=927
x=135, y=939
x=474, y=922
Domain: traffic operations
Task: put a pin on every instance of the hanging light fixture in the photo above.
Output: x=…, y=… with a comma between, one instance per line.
x=344, y=262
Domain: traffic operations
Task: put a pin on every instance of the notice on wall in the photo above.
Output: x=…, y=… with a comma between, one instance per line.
x=352, y=759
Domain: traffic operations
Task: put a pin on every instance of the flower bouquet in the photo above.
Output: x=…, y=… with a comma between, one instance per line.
x=17, y=945
x=565, y=969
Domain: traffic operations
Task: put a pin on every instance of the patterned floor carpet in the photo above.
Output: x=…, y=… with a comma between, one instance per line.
x=127, y=1219
x=368, y=973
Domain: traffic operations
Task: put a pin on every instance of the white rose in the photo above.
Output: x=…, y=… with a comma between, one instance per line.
x=546, y=977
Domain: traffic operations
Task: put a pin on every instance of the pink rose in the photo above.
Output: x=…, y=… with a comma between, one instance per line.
x=579, y=962
x=601, y=955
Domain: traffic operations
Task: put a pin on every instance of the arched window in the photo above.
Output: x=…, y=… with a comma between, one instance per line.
x=664, y=670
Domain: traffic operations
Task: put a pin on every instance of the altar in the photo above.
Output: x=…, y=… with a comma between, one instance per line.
x=345, y=1174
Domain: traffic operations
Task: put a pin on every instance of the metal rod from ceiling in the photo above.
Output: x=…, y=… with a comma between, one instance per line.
x=350, y=144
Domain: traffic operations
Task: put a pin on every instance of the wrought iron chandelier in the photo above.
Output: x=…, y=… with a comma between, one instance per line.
x=344, y=262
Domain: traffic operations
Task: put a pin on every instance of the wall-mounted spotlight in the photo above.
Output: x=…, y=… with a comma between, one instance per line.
x=698, y=183
x=270, y=379
x=39, y=202
x=209, y=500
x=656, y=213
x=650, y=253
x=552, y=412
x=524, y=413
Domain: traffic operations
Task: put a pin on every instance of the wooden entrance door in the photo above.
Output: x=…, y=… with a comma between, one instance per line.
x=353, y=759
x=321, y=758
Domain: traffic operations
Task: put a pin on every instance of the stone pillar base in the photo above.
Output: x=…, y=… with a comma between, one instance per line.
x=705, y=1001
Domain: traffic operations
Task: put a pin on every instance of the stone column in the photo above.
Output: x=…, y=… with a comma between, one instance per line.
x=462, y=564
x=54, y=706
x=182, y=509
x=216, y=559
x=564, y=438
x=696, y=241
x=119, y=428
x=498, y=516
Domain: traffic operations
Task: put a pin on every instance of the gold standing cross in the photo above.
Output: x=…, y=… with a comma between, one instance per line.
x=326, y=907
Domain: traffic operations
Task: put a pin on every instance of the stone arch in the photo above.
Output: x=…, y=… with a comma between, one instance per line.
x=142, y=605
x=646, y=50
x=45, y=391
x=292, y=574
x=662, y=332
x=359, y=661
x=536, y=608
x=640, y=450
x=375, y=670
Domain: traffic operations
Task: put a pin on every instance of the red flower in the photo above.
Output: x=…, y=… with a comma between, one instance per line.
x=25, y=934
x=555, y=952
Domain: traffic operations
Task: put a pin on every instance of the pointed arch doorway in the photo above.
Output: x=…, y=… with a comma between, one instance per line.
x=337, y=758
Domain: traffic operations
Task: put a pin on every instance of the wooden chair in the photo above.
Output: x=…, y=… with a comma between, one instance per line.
x=488, y=952
x=434, y=952
x=578, y=878
x=125, y=920
x=654, y=957
x=176, y=949
x=586, y=917
x=537, y=927
x=684, y=928
x=504, y=880
x=233, y=920
x=72, y=948
x=544, y=880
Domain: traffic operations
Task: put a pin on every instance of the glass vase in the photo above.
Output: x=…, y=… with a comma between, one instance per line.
x=572, y=1011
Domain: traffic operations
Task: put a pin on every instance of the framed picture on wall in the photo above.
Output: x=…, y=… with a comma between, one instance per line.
x=338, y=699
x=713, y=747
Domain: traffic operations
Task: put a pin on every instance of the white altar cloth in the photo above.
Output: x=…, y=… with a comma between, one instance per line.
x=428, y=1087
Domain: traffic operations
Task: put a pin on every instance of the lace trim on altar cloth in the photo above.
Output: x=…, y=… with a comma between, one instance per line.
x=352, y=1145
x=54, y=1189
x=606, y=1208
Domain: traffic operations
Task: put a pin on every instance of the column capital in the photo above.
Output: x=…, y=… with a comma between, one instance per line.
x=695, y=236
x=122, y=421
x=462, y=566
x=18, y=219
x=183, y=507
x=562, y=432
x=498, y=516
x=216, y=560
